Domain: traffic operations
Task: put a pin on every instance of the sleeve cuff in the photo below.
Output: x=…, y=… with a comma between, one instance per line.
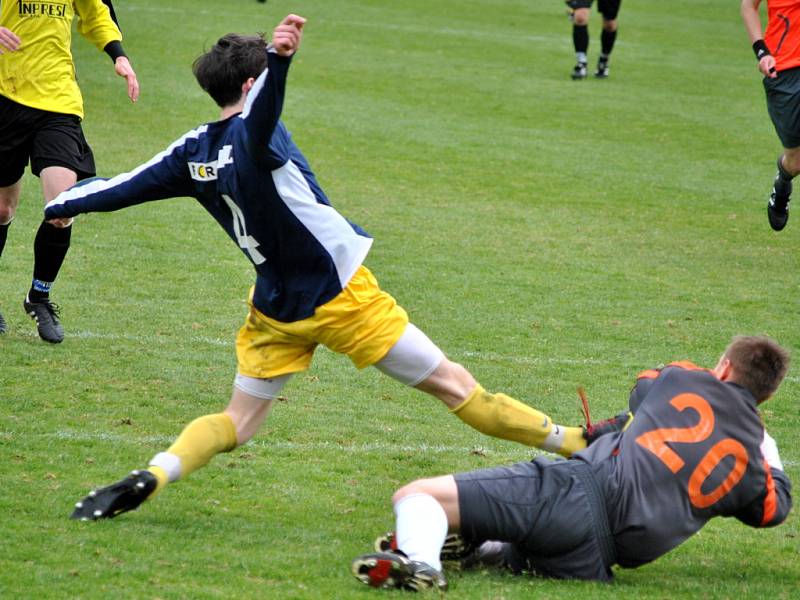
x=114, y=50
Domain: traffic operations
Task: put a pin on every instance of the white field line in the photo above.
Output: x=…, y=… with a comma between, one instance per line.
x=364, y=447
x=470, y=34
x=211, y=341
x=482, y=356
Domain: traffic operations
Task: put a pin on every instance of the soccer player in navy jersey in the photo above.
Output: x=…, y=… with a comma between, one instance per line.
x=311, y=286
x=695, y=449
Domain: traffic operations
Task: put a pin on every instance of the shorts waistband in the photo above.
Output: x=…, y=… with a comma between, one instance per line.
x=583, y=472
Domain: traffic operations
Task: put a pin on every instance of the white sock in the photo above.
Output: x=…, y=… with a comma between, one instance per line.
x=170, y=463
x=421, y=528
x=581, y=56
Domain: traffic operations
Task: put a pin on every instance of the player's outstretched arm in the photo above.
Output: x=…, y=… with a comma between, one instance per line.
x=264, y=103
x=164, y=176
x=9, y=41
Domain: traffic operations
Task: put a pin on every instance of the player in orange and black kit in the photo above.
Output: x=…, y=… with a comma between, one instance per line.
x=695, y=449
x=778, y=55
x=40, y=122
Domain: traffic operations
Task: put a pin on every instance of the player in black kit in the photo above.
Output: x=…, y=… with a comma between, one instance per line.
x=580, y=34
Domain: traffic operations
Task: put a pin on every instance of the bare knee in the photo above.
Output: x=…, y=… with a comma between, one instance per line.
x=609, y=24
x=420, y=486
x=7, y=213
x=9, y=200
x=581, y=16
x=791, y=160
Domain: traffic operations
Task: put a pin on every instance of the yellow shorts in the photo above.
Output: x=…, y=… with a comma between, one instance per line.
x=363, y=322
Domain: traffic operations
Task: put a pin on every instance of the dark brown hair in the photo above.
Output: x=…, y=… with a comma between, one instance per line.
x=759, y=364
x=228, y=64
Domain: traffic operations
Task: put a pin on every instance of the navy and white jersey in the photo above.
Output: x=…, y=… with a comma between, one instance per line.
x=251, y=177
x=696, y=449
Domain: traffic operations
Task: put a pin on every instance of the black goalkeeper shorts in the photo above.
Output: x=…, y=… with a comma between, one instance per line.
x=608, y=8
x=43, y=138
x=550, y=511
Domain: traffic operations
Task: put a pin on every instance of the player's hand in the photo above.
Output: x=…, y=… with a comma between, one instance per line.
x=767, y=66
x=288, y=34
x=9, y=41
x=124, y=69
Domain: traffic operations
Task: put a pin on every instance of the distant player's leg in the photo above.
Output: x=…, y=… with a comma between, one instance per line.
x=60, y=157
x=778, y=205
x=580, y=37
x=609, y=10
x=50, y=248
x=416, y=361
x=783, y=104
x=9, y=201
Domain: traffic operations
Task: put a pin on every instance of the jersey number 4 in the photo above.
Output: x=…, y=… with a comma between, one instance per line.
x=246, y=242
x=656, y=442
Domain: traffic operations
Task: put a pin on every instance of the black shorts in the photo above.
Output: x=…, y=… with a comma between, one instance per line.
x=550, y=511
x=43, y=138
x=783, y=104
x=608, y=8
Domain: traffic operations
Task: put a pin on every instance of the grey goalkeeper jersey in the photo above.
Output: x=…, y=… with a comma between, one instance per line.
x=696, y=449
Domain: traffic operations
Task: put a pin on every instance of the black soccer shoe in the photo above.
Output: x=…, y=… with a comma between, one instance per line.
x=392, y=570
x=602, y=69
x=117, y=498
x=454, y=549
x=3, y=326
x=778, y=210
x=579, y=71
x=46, y=313
x=620, y=422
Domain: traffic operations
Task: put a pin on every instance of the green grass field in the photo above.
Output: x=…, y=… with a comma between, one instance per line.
x=545, y=233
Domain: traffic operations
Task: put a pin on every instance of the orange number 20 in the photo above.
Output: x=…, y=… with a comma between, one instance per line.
x=656, y=442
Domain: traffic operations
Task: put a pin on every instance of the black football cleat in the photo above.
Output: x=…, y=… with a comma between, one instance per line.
x=778, y=210
x=602, y=69
x=454, y=549
x=45, y=313
x=117, y=498
x=392, y=570
x=3, y=326
x=579, y=71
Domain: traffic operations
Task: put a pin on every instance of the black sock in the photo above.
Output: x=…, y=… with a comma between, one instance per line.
x=4, y=236
x=783, y=181
x=580, y=37
x=49, y=250
x=607, y=39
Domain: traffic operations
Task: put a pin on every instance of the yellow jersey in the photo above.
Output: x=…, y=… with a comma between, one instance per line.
x=41, y=73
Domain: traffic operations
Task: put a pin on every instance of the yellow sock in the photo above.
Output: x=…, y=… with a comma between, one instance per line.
x=501, y=416
x=198, y=443
x=163, y=480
